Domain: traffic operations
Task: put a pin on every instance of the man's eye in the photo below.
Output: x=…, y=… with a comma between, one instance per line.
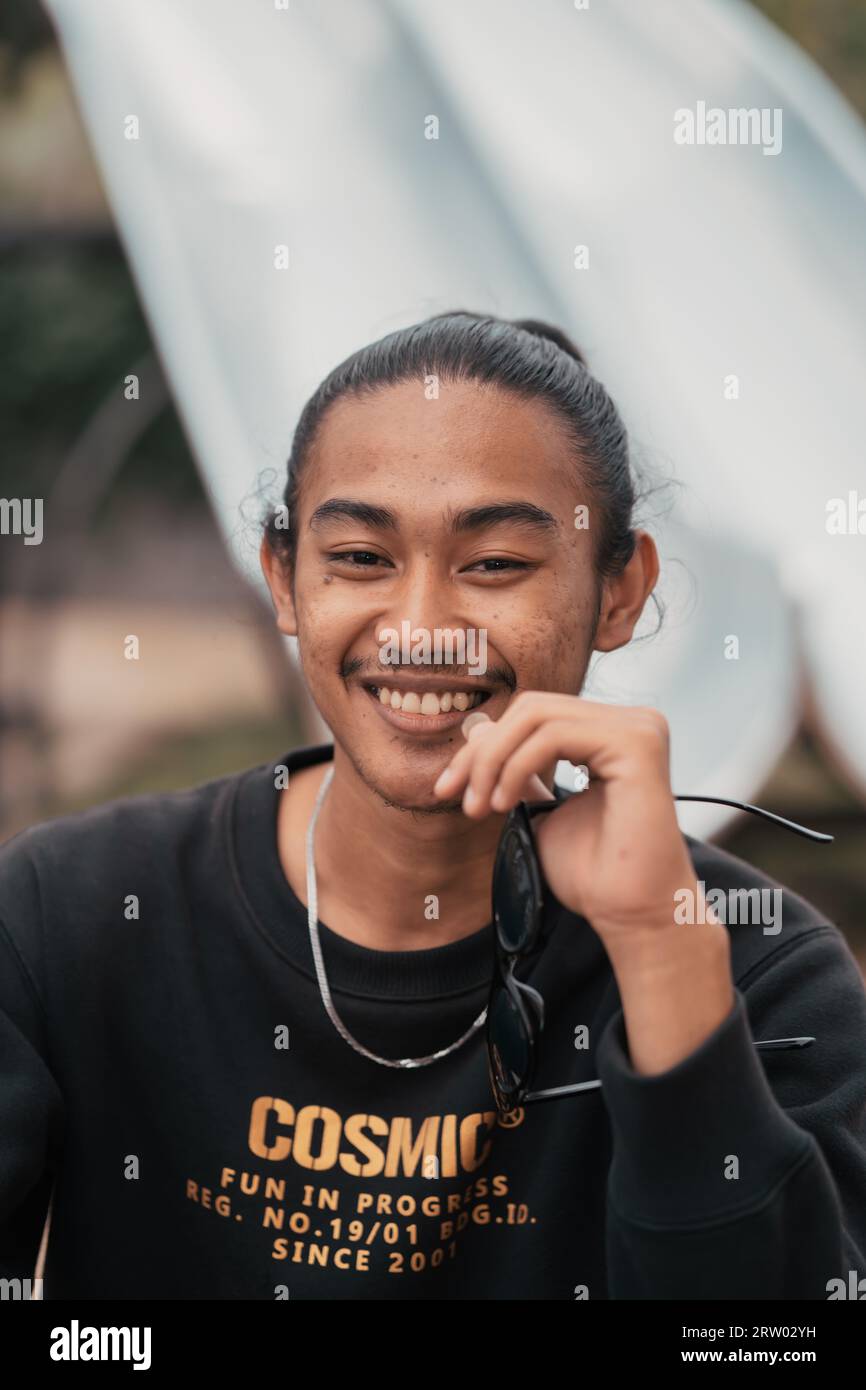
x=501, y=564
x=357, y=559
x=368, y=559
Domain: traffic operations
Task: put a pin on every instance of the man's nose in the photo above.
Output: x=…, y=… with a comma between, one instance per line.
x=423, y=602
x=422, y=597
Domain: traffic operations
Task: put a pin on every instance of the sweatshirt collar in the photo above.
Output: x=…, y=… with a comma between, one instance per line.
x=279, y=915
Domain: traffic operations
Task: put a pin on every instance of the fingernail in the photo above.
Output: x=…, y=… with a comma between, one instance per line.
x=476, y=720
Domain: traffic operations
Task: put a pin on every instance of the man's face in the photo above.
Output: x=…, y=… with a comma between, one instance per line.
x=521, y=589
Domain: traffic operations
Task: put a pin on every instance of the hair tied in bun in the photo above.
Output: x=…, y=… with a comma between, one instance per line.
x=540, y=329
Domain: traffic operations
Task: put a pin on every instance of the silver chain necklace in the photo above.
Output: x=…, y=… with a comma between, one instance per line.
x=313, y=919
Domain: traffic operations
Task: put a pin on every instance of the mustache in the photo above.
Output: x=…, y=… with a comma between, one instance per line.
x=362, y=666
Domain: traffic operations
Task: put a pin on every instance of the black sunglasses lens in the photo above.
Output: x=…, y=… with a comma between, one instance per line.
x=514, y=893
x=508, y=1047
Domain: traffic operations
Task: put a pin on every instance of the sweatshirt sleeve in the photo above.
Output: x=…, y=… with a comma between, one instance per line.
x=739, y=1173
x=31, y=1104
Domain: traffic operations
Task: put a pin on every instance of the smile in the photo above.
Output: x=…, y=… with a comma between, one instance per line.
x=425, y=709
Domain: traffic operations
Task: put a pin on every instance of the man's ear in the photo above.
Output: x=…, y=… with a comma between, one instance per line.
x=624, y=596
x=278, y=574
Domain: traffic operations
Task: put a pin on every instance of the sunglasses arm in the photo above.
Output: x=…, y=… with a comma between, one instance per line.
x=555, y=1092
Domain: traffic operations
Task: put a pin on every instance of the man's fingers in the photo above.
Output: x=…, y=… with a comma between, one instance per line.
x=535, y=790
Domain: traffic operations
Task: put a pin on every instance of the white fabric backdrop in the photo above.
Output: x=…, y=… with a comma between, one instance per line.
x=304, y=126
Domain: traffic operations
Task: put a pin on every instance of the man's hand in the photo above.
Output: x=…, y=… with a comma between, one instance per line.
x=613, y=854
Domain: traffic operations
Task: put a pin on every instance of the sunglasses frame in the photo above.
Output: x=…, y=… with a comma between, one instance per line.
x=526, y=1003
x=509, y=950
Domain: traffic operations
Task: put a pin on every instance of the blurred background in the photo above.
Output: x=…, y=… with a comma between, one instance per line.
x=142, y=548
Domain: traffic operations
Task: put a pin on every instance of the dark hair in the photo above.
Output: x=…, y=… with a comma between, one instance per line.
x=525, y=356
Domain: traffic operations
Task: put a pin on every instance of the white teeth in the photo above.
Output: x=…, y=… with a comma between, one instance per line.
x=429, y=703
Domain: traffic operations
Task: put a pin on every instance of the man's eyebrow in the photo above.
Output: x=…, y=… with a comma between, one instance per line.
x=467, y=519
x=502, y=513
x=349, y=509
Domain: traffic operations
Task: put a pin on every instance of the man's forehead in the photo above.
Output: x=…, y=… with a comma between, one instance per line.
x=462, y=413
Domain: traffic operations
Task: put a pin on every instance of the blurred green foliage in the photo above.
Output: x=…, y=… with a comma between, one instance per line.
x=69, y=315
x=72, y=315
x=833, y=32
x=24, y=30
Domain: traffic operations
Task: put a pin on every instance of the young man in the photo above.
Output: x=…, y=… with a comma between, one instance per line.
x=244, y=1024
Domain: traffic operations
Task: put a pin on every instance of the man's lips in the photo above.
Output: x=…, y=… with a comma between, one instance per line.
x=453, y=702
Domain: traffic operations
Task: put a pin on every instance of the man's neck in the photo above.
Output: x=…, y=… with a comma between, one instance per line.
x=388, y=879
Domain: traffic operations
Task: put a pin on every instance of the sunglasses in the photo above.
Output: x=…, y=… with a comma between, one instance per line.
x=515, y=1011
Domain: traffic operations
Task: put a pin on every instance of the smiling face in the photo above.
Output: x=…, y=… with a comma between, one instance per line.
x=418, y=515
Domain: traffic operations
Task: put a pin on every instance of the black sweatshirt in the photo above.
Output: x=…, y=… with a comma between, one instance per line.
x=198, y=1157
